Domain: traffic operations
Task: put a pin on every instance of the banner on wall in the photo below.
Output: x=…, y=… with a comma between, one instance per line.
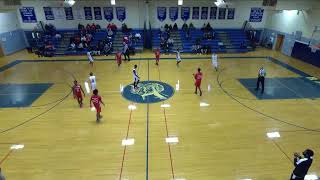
x=68, y=12
x=185, y=13
x=222, y=13
x=231, y=12
x=162, y=13
x=88, y=13
x=256, y=14
x=58, y=13
x=78, y=14
x=213, y=12
x=195, y=12
x=28, y=15
x=48, y=13
x=108, y=13
x=204, y=12
x=97, y=13
x=121, y=13
x=173, y=13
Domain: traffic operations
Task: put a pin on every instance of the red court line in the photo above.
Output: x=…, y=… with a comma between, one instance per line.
x=169, y=147
x=125, y=147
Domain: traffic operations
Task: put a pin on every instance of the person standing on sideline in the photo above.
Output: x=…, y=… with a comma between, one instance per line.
x=302, y=165
x=178, y=56
x=96, y=100
x=157, y=54
x=214, y=59
x=1, y=175
x=126, y=52
x=90, y=58
x=136, y=78
x=198, y=78
x=93, y=81
x=118, y=58
x=261, y=76
x=77, y=93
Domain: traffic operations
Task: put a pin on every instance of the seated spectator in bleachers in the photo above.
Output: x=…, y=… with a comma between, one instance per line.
x=80, y=26
x=208, y=27
x=191, y=26
x=107, y=49
x=175, y=27
x=161, y=29
x=110, y=33
x=72, y=46
x=207, y=35
x=80, y=47
x=185, y=27
x=243, y=45
x=35, y=33
x=137, y=36
x=77, y=39
x=170, y=42
x=203, y=28
x=58, y=36
x=170, y=28
x=88, y=28
x=125, y=39
x=125, y=28
x=83, y=39
x=166, y=27
x=98, y=28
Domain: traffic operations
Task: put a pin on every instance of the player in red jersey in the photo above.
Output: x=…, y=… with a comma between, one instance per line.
x=77, y=92
x=96, y=100
x=198, y=78
x=118, y=58
x=157, y=54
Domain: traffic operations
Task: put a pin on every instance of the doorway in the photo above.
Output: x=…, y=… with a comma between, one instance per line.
x=279, y=42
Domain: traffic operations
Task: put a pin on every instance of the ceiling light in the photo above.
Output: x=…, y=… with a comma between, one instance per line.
x=219, y=3
x=180, y=2
x=113, y=2
x=69, y=2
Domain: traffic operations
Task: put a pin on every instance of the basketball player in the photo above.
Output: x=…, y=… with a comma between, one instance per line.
x=118, y=58
x=90, y=58
x=136, y=78
x=96, y=100
x=93, y=81
x=157, y=54
x=178, y=56
x=77, y=92
x=215, y=61
x=198, y=78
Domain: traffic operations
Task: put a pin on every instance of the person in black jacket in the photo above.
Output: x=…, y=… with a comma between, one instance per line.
x=302, y=165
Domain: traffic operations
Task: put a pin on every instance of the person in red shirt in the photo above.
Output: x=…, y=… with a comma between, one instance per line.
x=96, y=100
x=77, y=92
x=157, y=54
x=118, y=58
x=198, y=78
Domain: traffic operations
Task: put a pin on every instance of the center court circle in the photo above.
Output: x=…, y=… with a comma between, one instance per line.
x=148, y=92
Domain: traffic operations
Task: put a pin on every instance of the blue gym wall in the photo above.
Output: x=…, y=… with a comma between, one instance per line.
x=12, y=41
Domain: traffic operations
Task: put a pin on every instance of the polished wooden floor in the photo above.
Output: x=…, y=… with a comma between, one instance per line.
x=225, y=140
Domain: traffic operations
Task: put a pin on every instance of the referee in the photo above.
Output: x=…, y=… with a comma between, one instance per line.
x=261, y=75
x=302, y=165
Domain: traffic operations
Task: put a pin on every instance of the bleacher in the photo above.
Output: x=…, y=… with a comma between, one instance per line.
x=118, y=40
x=175, y=35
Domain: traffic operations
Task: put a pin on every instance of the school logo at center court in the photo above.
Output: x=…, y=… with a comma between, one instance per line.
x=148, y=92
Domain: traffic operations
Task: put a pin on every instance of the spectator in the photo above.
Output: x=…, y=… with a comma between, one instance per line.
x=184, y=27
x=98, y=28
x=110, y=33
x=80, y=26
x=170, y=28
x=80, y=46
x=58, y=36
x=302, y=165
x=191, y=26
x=137, y=36
x=126, y=52
x=83, y=39
x=175, y=27
x=125, y=40
x=72, y=46
x=114, y=27
x=203, y=27
x=170, y=42
x=124, y=28
x=161, y=29
x=166, y=27
x=208, y=27
x=1, y=175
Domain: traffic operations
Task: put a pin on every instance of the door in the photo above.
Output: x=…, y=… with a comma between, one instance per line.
x=1, y=51
x=279, y=42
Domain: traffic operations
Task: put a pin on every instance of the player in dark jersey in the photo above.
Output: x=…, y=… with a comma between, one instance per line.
x=77, y=92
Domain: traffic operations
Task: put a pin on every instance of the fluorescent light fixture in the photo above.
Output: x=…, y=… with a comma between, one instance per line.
x=17, y=146
x=180, y=2
x=311, y=177
x=132, y=107
x=219, y=3
x=273, y=135
x=172, y=140
x=69, y=2
x=203, y=104
x=165, y=105
x=127, y=142
x=113, y=2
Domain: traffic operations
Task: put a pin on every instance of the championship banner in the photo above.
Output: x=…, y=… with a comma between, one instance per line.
x=68, y=12
x=97, y=13
x=108, y=13
x=162, y=13
x=204, y=12
x=256, y=14
x=231, y=12
x=222, y=13
x=185, y=13
x=213, y=12
x=121, y=13
x=173, y=13
x=195, y=12
x=58, y=13
x=48, y=13
x=28, y=15
x=88, y=13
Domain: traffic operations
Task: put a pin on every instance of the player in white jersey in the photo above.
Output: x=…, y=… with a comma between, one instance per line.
x=93, y=81
x=215, y=61
x=90, y=58
x=178, y=56
x=136, y=78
